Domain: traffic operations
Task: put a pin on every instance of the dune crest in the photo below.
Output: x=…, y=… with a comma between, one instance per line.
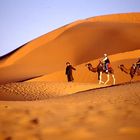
x=127, y=18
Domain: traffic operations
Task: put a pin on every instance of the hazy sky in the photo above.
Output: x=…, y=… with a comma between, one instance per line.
x=24, y=20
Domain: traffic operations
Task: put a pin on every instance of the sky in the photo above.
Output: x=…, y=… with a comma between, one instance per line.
x=25, y=20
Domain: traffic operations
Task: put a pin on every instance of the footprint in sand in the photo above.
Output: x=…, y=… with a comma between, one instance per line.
x=8, y=138
x=35, y=121
x=90, y=107
x=6, y=106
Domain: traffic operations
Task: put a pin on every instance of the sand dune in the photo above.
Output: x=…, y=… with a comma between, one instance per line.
x=84, y=75
x=77, y=42
x=110, y=113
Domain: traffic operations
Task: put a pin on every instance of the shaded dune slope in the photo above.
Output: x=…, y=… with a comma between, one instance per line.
x=77, y=42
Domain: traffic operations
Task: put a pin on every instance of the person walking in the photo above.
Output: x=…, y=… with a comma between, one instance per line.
x=69, y=69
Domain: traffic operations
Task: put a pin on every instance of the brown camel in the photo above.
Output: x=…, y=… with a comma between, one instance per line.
x=99, y=69
x=132, y=71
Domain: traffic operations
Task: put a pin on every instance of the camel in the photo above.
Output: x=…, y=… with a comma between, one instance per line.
x=134, y=70
x=99, y=69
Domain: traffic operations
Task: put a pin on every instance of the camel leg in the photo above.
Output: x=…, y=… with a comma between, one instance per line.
x=100, y=78
x=132, y=76
x=131, y=80
x=107, y=79
x=114, y=80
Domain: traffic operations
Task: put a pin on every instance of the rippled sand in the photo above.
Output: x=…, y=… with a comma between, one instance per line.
x=109, y=113
x=41, y=90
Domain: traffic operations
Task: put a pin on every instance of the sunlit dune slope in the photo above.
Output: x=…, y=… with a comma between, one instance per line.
x=77, y=42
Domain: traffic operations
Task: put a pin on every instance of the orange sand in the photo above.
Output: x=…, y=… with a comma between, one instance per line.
x=78, y=110
x=109, y=113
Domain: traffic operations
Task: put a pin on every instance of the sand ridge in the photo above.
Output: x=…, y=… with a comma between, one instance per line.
x=124, y=18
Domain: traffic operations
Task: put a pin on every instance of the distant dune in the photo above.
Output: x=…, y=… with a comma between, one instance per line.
x=78, y=42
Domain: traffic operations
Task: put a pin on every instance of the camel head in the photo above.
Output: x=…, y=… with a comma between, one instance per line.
x=89, y=66
x=122, y=68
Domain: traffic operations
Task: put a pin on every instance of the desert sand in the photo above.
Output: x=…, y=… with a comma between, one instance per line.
x=108, y=113
x=37, y=102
